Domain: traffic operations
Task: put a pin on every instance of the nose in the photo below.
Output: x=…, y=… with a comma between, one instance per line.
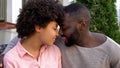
x=60, y=32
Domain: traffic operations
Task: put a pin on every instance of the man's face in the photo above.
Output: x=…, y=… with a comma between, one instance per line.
x=69, y=30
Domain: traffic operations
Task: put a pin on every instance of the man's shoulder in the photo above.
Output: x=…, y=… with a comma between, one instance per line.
x=112, y=42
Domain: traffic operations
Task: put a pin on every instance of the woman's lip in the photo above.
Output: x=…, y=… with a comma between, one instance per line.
x=54, y=39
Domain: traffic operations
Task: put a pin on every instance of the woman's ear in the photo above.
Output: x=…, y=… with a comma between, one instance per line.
x=37, y=28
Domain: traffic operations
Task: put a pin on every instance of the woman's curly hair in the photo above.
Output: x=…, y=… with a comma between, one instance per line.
x=38, y=12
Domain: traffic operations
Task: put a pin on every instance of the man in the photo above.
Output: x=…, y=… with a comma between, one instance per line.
x=85, y=49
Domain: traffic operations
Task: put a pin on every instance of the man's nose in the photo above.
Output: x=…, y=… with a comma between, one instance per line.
x=60, y=32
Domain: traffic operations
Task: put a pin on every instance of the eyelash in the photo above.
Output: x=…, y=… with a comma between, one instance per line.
x=55, y=28
x=65, y=28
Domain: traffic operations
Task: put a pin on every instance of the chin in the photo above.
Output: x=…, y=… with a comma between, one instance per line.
x=50, y=44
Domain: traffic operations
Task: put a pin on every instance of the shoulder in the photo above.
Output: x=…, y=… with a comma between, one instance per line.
x=110, y=45
x=113, y=49
x=10, y=57
x=9, y=60
x=111, y=41
x=114, y=52
x=54, y=50
x=11, y=53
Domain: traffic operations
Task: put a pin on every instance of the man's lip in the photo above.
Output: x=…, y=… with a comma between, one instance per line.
x=64, y=39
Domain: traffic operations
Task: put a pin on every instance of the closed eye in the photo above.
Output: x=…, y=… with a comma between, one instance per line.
x=55, y=28
x=65, y=28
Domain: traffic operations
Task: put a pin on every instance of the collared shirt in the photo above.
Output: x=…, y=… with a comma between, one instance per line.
x=19, y=57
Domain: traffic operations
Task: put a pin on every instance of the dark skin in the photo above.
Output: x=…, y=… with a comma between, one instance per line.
x=78, y=33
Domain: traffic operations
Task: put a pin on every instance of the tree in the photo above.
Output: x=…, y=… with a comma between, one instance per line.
x=103, y=17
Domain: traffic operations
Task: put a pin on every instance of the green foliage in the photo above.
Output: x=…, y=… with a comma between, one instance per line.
x=103, y=17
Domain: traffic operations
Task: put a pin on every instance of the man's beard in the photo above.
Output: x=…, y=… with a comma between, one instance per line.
x=70, y=42
x=73, y=39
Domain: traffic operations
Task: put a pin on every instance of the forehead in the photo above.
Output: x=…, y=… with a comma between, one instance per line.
x=67, y=17
x=69, y=20
x=52, y=23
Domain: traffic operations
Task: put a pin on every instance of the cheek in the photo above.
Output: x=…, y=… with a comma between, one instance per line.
x=47, y=38
x=68, y=32
x=43, y=39
x=75, y=35
x=51, y=37
x=51, y=34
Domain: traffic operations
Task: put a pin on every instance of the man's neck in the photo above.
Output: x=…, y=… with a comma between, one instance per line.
x=91, y=40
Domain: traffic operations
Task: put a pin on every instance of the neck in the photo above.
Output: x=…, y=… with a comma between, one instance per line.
x=32, y=45
x=91, y=40
x=86, y=39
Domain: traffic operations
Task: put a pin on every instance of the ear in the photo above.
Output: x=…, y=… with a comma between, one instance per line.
x=81, y=25
x=38, y=28
x=84, y=24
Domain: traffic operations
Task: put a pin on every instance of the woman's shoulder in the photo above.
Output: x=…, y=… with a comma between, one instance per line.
x=54, y=48
x=11, y=53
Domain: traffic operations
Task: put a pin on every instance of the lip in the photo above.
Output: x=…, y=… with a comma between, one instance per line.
x=54, y=39
x=64, y=39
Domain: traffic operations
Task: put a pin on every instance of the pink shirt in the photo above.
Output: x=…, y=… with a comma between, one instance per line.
x=18, y=57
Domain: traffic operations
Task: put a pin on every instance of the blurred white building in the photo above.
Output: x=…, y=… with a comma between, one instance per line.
x=118, y=10
x=9, y=10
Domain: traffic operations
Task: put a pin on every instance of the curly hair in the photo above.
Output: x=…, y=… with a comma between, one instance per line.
x=78, y=11
x=38, y=12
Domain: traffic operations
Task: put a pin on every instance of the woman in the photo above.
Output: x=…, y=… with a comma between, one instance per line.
x=37, y=28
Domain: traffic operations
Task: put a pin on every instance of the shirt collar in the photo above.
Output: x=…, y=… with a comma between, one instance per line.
x=22, y=51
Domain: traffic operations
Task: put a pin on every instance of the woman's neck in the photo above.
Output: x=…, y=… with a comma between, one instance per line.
x=32, y=45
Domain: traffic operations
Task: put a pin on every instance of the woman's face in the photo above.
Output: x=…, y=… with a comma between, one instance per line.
x=49, y=33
